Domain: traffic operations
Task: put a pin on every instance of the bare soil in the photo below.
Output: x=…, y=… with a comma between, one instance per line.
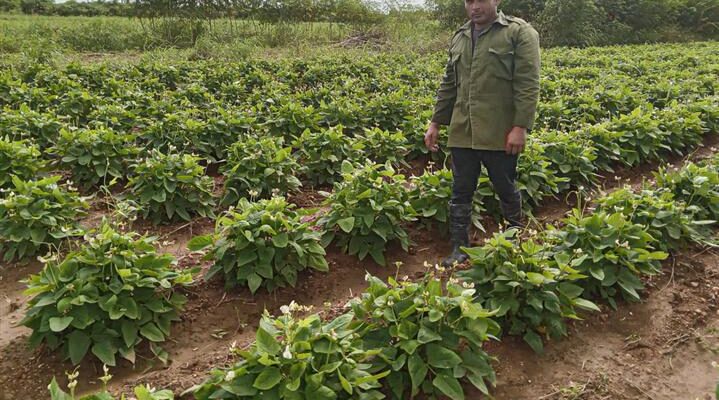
x=658, y=349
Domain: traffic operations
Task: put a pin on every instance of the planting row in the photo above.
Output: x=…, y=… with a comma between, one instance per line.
x=370, y=202
x=400, y=338
x=203, y=108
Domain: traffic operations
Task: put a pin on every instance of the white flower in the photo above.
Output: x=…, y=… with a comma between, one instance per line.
x=230, y=376
x=287, y=353
x=285, y=310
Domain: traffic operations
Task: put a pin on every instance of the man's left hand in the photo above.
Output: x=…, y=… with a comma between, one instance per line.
x=516, y=139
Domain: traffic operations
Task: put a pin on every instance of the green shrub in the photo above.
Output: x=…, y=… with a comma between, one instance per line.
x=670, y=221
x=383, y=146
x=571, y=23
x=683, y=125
x=532, y=288
x=20, y=159
x=95, y=156
x=366, y=210
x=107, y=297
x=430, y=195
x=298, y=358
x=262, y=244
x=141, y=392
x=537, y=178
x=697, y=185
x=171, y=186
x=642, y=138
x=259, y=168
x=322, y=153
x=570, y=158
x=611, y=251
x=38, y=215
x=24, y=123
x=429, y=340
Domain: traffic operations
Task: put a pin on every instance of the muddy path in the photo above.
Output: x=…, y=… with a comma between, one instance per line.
x=659, y=349
x=215, y=319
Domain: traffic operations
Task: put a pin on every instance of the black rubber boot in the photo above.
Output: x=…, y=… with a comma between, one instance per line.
x=460, y=216
x=512, y=213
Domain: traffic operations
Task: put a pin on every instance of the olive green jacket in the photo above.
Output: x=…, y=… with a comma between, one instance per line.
x=485, y=93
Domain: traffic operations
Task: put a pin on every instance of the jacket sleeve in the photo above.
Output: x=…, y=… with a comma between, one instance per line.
x=526, y=77
x=446, y=95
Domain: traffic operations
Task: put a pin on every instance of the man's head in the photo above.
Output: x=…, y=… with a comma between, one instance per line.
x=481, y=12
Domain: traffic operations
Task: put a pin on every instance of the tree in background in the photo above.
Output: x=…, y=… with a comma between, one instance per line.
x=570, y=23
x=35, y=6
x=9, y=5
x=601, y=22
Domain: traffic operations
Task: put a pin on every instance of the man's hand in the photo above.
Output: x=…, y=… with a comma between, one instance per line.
x=516, y=139
x=431, y=137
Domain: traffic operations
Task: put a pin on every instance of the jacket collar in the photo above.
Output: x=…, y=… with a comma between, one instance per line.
x=467, y=27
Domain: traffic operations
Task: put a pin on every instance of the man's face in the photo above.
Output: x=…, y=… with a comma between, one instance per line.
x=481, y=12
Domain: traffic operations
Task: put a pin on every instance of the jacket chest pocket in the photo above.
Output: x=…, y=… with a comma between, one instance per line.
x=454, y=60
x=500, y=63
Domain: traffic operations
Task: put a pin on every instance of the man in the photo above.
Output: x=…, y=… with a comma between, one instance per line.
x=488, y=97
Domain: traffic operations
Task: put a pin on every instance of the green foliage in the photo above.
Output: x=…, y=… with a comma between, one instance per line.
x=262, y=244
x=141, y=392
x=430, y=195
x=260, y=168
x=570, y=157
x=532, y=288
x=171, y=186
x=322, y=153
x=429, y=339
x=105, y=298
x=298, y=358
x=671, y=222
x=193, y=131
x=367, y=209
x=381, y=146
x=41, y=128
x=95, y=155
x=611, y=251
x=571, y=23
x=697, y=185
x=536, y=176
x=684, y=126
x=642, y=138
x=20, y=159
x=38, y=215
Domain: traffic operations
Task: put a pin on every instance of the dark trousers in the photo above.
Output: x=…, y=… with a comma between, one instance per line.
x=502, y=170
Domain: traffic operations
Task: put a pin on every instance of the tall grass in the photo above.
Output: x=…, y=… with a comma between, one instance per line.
x=50, y=36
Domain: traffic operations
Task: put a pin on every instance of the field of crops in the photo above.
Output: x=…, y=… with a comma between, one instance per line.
x=157, y=211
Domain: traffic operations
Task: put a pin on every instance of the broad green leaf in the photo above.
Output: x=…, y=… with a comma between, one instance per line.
x=105, y=351
x=442, y=357
x=200, y=242
x=268, y=378
x=58, y=324
x=152, y=332
x=448, y=385
x=78, y=343
x=266, y=343
x=417, y=369
x=346, y=224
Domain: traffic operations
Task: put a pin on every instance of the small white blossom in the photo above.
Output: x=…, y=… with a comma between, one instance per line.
x=285, y=310
x=287, y=353
x=230, y=376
